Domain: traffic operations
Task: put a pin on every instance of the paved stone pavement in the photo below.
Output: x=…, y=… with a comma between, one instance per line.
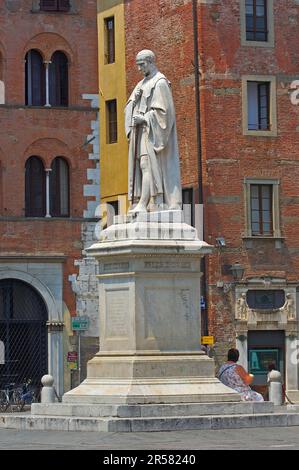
x=254, y=438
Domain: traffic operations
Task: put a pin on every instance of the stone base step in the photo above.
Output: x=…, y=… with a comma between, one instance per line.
x=293, y=395
x=176, y=423
x=150, y=411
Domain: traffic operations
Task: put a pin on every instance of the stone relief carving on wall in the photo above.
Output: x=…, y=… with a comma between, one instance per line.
x=282, y=315
x=289, y=307
x=242, y=308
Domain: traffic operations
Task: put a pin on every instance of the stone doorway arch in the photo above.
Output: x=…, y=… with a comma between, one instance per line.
x=54, y=323
x=23, y=331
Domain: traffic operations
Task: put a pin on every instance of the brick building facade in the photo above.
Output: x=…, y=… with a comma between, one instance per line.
x=248, y=61
x=48, y=111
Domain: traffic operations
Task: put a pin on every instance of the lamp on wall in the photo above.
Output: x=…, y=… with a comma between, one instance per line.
x=220, y=242
x=237, y=271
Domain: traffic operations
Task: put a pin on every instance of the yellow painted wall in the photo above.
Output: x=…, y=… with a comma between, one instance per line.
x=112, y=80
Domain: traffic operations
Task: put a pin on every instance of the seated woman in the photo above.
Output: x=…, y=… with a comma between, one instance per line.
x=235, y=376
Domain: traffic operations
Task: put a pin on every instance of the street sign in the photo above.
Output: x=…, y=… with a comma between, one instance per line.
x=72, y=356
x=73, y=365
x=207, y=340
x=80, y=323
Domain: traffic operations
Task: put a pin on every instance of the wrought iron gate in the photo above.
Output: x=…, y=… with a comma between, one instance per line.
x=23, y=330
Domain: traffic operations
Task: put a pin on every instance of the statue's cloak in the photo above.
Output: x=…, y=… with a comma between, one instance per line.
x=159, y=139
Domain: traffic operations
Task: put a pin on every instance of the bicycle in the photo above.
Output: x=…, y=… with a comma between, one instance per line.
x=9, y=398
x=27, y=394
x=4, y=401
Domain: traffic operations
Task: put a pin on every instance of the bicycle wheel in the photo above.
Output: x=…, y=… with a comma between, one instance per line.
x=17, y=401
x=4, y=402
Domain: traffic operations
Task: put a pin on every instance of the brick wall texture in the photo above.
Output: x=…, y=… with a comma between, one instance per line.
x=47, y=133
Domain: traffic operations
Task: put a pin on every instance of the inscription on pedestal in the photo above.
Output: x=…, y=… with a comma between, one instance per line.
x=158, y=265
x=114, y=267
x=185, y=304
x=117, y=308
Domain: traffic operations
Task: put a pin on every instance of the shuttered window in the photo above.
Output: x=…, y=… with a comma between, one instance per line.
x=111, y=111
x=256, y=20
x=35, y=79
x=259, y=106
x=54, y=5
x=58, y=80
x=261, y=210
x=35, y=186
x=109, y=40
x=59, y=188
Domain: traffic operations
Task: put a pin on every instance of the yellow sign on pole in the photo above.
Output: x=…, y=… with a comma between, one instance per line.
x=208, y=340
x=73, y=365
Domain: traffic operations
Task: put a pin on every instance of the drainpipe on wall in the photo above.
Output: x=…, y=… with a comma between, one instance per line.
x=200, y=199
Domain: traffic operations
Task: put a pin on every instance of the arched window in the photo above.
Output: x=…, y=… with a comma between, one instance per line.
x=35, y=79
x=58, y=80
x=35, y=188
x=59, y=188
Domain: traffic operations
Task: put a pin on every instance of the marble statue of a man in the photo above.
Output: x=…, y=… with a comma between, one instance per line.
x=154, y=168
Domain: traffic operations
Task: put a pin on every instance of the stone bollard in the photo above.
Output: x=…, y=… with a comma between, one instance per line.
x=275, y=387
x=48, y=391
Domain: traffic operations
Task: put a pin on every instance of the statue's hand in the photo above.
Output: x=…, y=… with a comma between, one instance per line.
x=137, y=96
x=138, y=93
x=138, y=120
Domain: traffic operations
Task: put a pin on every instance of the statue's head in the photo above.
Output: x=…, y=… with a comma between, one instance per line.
x=146, y=62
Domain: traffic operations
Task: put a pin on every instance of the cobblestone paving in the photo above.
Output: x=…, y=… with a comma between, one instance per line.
x=259, y=438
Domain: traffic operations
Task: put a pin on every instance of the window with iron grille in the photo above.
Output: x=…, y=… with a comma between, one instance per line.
x=261, y=205
x=35, y=78
x=59, y=188
x=35, y=188
x=265, y=299
x=256, y=20
x=110, y=40
x=23, y=331
x=111, y=113
x=58, y=80
x=54, y=5
x=258, y=95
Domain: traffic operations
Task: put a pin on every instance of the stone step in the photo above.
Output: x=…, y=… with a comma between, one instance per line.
x=176, y=423
x=151, y=411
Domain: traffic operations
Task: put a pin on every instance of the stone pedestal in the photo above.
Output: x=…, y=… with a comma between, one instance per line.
x=149, y=291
